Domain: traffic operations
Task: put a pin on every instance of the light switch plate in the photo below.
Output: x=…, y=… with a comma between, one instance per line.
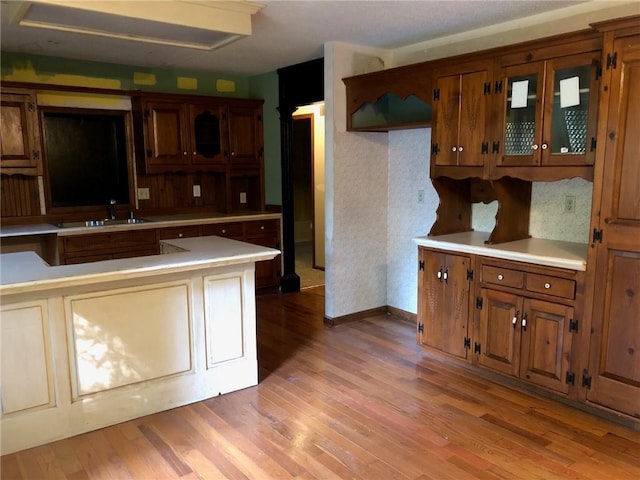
x=243, y=197
x=196, y=190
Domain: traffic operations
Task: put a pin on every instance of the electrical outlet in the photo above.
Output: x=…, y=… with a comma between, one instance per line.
x=196, y=190
x=243, y=197
x=143, y=194
x=569, y=204
x=420, y=196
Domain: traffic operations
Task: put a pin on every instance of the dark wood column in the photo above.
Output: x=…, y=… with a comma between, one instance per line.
x=300, y=84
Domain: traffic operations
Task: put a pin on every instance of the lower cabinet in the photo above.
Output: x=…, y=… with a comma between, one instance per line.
x=443, y=306
x=94, y=247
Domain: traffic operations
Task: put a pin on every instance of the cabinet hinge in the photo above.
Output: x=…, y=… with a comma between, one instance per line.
x=469, y=274
x=485, y=148
x=31, y=107
x=612, y=60
x=421, y=328
x=479, y=303
x=597, y=235
x=421, y=265
x=436, y=94
x=495, y=147
x=573, y=325
x=594, y=142
x=476, y=348
x=487, y=88
x=598, y=70
x=467, y=343
x=434, y=149
x=36, y=155
x=498, y=87
x=586, y=380
x=570, y=378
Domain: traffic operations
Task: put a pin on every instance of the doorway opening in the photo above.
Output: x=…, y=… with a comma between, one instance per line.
x=307, y=142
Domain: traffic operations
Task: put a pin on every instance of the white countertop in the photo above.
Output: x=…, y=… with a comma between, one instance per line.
x=551, y=253
x=160, y=221
x=25, y=271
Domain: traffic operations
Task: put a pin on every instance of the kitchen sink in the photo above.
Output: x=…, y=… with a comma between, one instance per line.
x=105, y=222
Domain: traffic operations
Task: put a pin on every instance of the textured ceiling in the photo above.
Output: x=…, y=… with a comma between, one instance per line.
x=286, y=33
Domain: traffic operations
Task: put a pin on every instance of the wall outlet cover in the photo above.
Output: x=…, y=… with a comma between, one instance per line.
x=196, y=191
x=143, y=194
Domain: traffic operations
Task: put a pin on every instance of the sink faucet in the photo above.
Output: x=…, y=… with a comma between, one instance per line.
x=112, y=209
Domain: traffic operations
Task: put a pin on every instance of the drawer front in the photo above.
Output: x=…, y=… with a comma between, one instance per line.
x=502, y=276
x=109, y=241
x=558, y=287
x=229, y=230
x=261, y=226
x=178, y=232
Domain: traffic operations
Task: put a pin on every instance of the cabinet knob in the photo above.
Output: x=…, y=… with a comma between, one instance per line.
x=179, y=235
x=195, y=153
x=545, y=146
x=261, y=227
x=184, y=153
x=446, y=275
x=514, y=320
x=454, y=149
x=440, y=273
x=500, y=276
x=233, y=154
x=535, y=146
x=460, y=149
x=547, y=286
x=224, y=230
x=524, y=322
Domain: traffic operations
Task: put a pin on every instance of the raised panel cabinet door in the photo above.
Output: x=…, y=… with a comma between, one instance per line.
x=19, y=134
x=245, y=139
x=473, y=114
x=500, y=327
x=431, y=304
x=456, y=305
x=545, y=349
x=166, y=139
x=447, y=120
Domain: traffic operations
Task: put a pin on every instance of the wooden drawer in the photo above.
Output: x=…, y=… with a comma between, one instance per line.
x=502, y=276
x=558, y=287
x=110, y=241
x=178, y=232
x=229, y=230
x=261, y=226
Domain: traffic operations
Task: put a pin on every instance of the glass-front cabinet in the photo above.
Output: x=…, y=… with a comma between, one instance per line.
x=548, y=112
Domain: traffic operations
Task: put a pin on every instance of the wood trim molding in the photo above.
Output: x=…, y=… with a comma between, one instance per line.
x=385, y=310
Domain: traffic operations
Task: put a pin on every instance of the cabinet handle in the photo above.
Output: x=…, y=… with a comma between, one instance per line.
x=440, y=274
x=500, y=277
x=544, y=146
x=547, y=286
x=515, y=319
x=454, y=149
x=524, y=321
x=460, y=149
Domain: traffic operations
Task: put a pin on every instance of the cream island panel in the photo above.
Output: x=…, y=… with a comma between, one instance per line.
x=90, y=345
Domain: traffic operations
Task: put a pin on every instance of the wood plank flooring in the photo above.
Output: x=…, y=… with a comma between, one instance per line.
x=360, y=401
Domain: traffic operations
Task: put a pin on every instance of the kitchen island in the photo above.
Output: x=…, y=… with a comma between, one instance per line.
x=90, y=345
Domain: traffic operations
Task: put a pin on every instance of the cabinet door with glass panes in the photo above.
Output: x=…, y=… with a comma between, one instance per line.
x=548, y=113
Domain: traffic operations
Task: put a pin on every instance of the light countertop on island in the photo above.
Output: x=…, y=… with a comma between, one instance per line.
x=26, y=271
x=551, y=253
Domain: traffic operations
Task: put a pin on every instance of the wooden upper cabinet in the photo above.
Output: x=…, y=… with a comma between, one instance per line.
x=460, y=130
x=20, y=133
x=547, y=114
x=245, y=135
x=183, y=137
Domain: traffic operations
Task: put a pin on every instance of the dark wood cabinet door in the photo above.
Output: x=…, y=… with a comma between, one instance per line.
x=456, y=305
x=431, y=305
x=614, y=365
x=207, y=131
x=500, y=327
x=166, y=135
x=20, y=135
x=473, y=113
x=545, y=349
x=446, y=120
x=245, y=138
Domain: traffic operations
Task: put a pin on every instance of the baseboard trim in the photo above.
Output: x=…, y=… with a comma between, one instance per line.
x=384, y=310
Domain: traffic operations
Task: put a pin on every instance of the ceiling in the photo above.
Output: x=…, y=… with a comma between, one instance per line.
x=283, y=32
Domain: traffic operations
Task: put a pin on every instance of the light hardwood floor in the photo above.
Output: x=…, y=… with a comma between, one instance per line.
x=360, y=400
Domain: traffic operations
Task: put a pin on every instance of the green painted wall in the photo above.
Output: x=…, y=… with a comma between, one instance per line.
x=266, y=86
x=62, y=71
